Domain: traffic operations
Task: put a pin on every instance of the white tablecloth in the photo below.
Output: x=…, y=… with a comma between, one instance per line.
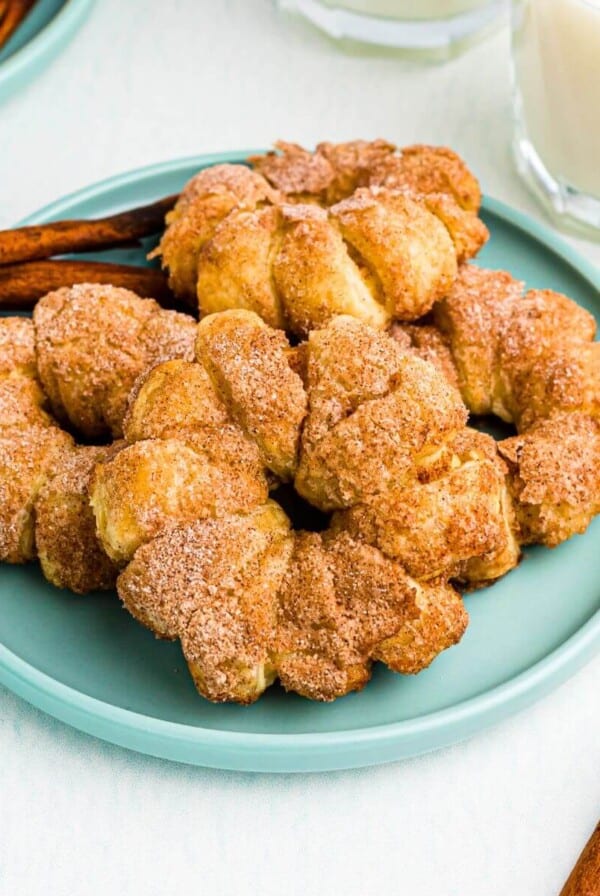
x=505, y=813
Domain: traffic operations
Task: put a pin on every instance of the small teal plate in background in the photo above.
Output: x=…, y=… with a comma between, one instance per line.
x=85, y=661
x=42, y=34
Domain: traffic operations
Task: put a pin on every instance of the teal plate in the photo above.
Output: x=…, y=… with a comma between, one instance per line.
x=40, y=37
x=85, y=661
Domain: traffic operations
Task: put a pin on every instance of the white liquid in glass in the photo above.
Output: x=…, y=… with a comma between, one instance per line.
x=408, y=10
x=557, y=65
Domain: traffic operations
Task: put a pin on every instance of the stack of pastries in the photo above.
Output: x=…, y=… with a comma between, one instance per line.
x=344, y=339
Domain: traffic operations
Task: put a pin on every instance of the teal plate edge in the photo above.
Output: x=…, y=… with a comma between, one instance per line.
x=328, y=751
x=27, y=62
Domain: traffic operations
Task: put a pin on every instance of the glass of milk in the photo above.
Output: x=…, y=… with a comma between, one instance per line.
x=556, y=76
x=435, y=29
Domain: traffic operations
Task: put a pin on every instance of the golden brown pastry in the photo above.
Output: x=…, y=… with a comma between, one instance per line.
x=22, y=402
x=521, y=357
x=563, y=378
x=377, y=255
x=401, y=250
x=31, y=446
x=352, y=228
x=459, y=525
x=362, y=424
x=29, y=456
x=236, y=269
x=251, y=601
x=156, y=484
x=173, y=397
x=334, y=170
x=432, y=175
x=377, y=417
x=342, y=605
x=93, y=342
x=17, y=347
x=555, y=477
x=428, y=170
x=247, y=363
x=441, y=622
x=315, y=276
x=326, y=176
x=214, y=562
x=65, y=528
x=213, y=584
x=204, y=202
x=429, y=343
x=177, y=400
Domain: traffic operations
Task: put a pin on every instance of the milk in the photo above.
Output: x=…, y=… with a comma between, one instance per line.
x=425, y=29
x=409, y=10
x=556, y=53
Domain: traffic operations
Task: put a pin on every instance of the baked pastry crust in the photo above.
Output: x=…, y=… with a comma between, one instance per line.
x=355, y=228
x=93, y=342
x=65, y=527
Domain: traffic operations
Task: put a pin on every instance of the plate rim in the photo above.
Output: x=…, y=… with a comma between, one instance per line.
x=40, y=50
x=254, y=751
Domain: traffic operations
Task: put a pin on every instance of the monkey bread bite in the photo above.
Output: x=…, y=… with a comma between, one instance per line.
x=93, y=342
x=248, y=365
x=353, y=228
x=378, y=416
x=65, y=527
x=31, y=446
x=251, y=601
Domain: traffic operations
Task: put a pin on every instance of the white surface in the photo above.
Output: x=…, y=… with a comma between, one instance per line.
x=505, y=813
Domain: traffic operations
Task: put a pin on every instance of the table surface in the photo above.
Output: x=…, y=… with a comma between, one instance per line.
x=505, y=813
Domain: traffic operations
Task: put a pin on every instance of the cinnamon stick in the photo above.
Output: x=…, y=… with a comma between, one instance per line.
x=21, y=285
x=584, y=879
x=63, y=237
x=14, y=11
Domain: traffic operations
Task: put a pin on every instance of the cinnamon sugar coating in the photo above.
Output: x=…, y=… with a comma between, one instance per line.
x=376, y=255
x=406, y=249
x=251, y=601
x=441, y=622
x=435, y=176
x=316, y=276
x=555, y=477
x=466, y=230
x=459, y=525
x=236, y=264
x=93, y=342
x=29, y=456
x=17, y=347
x=65, y=528
x=31, y=445
x=521, y=357
x=157, y=484
x=213, y=584
x=327, y=175
x=351, y=228
x=429, y=343
x=377, y=416
x=172, y=397
x=22, y=402
x=435, y=170
x=334, y=171
x=205, y=201
x=340, y=603
x=248, y=366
